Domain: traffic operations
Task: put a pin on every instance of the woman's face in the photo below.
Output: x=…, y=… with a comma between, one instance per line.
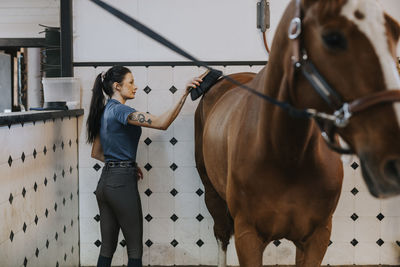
x=128, y=88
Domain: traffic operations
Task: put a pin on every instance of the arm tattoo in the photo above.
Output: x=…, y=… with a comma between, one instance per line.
x=140, y=118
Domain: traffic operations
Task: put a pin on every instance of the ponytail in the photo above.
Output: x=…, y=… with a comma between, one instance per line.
x=96, y=109
x=102, y=84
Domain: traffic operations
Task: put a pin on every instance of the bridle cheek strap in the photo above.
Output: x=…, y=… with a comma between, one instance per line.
x=383, y=97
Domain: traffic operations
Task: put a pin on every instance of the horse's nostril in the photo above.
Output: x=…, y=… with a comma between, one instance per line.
x=392, y=170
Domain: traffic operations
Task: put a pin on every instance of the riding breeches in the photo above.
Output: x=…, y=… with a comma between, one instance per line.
x=120, y=208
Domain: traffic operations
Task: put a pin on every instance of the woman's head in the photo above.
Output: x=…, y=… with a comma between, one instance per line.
x=116, y=80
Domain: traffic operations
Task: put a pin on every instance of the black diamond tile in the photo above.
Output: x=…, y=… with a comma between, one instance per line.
x=147, y=141
x=55, y=177
x=9, y=161
x=200, y=242
x=354, y=242
x=10, y=199
x=64, y=229
x=380, y=216
x=173, y=89
x=173, y=192
x=23, y=157
x=148, y=167
x=147, y=89
x=72, y=250
x=37, y=252
x=199, y=217
x=148, y=192
x=174, y=243
x=57, y=264
x=72, y=223
x=62, y=145
x=174, y=217
x=123, y=243
x=173, y=166
x=71, y=196
x=354, y=165
x=173, y=141
x=97, y=217
x=199, y=192
x=330, y=243
x=24, y=228
x=12, y=236
x=45, y=181
x=97, y=167
x=149, y=243
x=64, y=201
x=380, y=242
x=23, y=192
x=45, y=150
x=354, y=217
x=36, y=219
x=25, y=262
x=70, y=169
x=34, y=153
x=148, y=217
x=65, y=257
x=35, y=186
x=70, y=143
x=55, y=207
x=46, y=213
x=56, y=236
x=47, y=243
x=354, y=191
x=277, y=243
x=97, y=243
x=54, y=147
x=398, y=243
x=63, y=173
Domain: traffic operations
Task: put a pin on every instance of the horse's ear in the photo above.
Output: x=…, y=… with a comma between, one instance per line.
x=393, y=27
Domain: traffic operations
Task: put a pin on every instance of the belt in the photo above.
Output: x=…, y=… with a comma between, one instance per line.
x=121, y=164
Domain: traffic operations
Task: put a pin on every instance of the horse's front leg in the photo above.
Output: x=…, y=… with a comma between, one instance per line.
x=311, y=252
x=249, y=245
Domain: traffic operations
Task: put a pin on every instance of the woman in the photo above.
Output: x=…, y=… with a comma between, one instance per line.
x=114, y=130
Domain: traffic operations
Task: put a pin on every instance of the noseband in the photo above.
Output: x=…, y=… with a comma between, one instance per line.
x=343, y=111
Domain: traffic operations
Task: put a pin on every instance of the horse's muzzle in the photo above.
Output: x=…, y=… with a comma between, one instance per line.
x=383, y=184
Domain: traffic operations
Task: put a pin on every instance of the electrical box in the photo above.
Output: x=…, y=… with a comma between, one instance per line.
x=263, y=15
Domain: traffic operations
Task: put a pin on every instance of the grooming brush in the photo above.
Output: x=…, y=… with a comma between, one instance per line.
x=210, y=77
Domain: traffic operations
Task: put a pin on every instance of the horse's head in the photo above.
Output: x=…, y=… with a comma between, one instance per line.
x=353, y=45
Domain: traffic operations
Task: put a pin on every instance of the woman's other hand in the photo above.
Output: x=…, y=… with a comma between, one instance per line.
x=139, y=173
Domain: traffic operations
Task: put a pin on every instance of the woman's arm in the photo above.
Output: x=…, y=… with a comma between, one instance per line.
x=97, y=150
x=163, y=121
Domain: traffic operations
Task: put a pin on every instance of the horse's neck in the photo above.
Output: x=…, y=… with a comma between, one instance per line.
x=290, y=138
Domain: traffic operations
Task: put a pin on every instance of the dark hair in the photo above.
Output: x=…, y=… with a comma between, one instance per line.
x=103, y=83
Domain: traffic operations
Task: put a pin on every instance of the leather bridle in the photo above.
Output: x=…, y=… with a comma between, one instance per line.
x=343, y=111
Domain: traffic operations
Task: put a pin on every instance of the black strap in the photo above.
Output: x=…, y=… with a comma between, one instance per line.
x=158, y=38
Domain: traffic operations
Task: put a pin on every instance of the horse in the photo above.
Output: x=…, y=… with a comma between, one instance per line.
x=269, y=173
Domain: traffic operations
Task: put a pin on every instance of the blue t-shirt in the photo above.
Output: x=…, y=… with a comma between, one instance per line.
x=118, y=138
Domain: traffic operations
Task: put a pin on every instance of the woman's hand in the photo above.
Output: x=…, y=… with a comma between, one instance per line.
x=139, y=173
x=193, y=84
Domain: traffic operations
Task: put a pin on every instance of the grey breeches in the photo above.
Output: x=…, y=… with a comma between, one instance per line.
x=120, y=208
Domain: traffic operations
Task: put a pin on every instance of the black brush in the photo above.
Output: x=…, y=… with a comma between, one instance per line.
x=210, y=77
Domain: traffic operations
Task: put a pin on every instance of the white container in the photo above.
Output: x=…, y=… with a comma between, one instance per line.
x=63, y=89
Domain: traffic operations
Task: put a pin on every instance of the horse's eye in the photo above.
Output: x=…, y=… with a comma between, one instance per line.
x=335, y=40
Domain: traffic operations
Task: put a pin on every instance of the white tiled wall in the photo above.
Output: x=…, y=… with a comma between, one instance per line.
x=160, y=229
x=39, y=191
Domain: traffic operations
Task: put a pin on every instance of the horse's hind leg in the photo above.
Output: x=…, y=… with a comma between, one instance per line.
x=311, y=252
x=223, y=224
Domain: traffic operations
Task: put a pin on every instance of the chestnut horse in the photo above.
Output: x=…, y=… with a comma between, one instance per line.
x=269, y=175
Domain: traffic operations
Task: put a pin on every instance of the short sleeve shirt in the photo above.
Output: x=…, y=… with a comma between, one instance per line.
x=118, y=138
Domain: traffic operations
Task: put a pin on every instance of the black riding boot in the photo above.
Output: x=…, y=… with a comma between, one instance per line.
x=104, y=261
x=134, y=262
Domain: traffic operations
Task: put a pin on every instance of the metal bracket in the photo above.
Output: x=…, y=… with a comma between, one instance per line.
x=263, y=15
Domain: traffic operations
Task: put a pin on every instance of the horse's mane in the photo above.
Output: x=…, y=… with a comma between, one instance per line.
x=329, y=8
